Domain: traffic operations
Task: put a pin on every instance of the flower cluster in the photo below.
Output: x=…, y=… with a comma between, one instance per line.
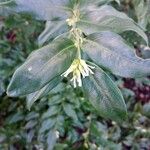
x=79, y=69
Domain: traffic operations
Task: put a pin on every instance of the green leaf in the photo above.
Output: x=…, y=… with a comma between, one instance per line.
x=54, y=100
x=31, y=98
x=15, y=118
x=53, y=110
x=104, y=18
x=52, y=30
x=47, y=125
x=44, y=10
x=31, y=115
x=42, y=66
x=109, y=51
x=142, y=11
x=104, y=95
x=69, y=110
x=51, y=139
x=31, y=124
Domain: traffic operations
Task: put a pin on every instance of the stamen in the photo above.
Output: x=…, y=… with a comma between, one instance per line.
x=79, y=70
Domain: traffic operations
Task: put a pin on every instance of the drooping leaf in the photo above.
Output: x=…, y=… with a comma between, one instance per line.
x=104, y=18
x=109, y=50
x=104, y=95
x=31, y=98
x=42, y=66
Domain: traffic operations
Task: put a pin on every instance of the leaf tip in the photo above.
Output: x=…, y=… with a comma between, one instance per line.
x=11, y=92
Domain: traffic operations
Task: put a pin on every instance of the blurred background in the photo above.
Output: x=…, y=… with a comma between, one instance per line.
x=78, y=124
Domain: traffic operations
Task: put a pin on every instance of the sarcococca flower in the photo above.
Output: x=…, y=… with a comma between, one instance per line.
x=79, y=69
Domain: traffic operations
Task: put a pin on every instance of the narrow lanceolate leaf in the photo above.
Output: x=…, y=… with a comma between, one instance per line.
x=105, y=95
x=52, y=29
x=97, y=19
x=53, y=110
x=31, y=98
x=47, y=125
x=42, y=9
x=42, y=66
x=69, y=110
x=109, y=51
x=51, y=139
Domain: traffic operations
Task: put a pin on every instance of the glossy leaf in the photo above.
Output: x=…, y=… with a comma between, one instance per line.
x=102, y=18
x=42, y=66
x=109, y=50
x=104, y=95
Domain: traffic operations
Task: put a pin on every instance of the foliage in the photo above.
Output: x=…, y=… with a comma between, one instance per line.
x=63, y=113
x=142, y=10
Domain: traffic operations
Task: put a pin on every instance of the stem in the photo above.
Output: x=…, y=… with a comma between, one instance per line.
x=75, y=32
x=79, y=52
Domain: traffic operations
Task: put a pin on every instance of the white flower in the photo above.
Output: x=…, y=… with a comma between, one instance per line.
x=79, y=69
x=57, y=134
